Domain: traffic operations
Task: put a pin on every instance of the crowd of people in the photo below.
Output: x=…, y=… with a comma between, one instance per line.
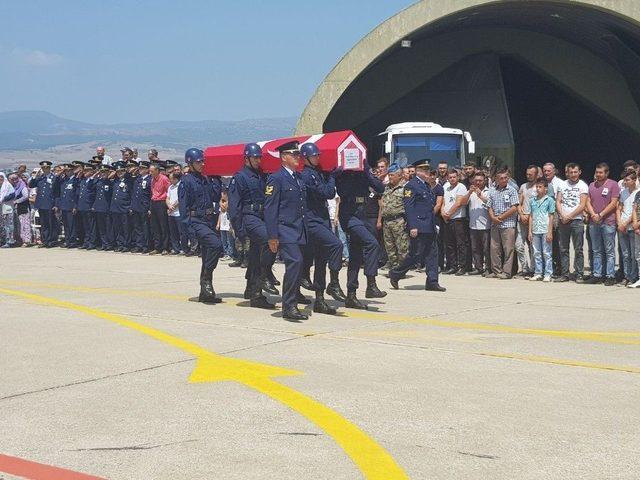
x=487, y=224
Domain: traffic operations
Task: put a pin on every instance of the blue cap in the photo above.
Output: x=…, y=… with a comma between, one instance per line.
x=252, y=150
x=393, y=168
x=309, y=150
x=194, y=155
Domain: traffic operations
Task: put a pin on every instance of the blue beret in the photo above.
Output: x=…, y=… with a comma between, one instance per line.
x=393, y=168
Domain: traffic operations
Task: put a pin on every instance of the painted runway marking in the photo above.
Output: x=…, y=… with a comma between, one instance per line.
x=559, y=361
x=623, y=338
x=372, y=460
x=38, y=471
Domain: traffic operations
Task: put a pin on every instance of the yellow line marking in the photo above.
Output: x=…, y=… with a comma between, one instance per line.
x=559, y=361
x=374, y=462
x=624, y=338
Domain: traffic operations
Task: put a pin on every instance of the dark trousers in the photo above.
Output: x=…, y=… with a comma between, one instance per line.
x=160, y=225
x=261, y=258
x=69, y=222
x=292, y=256
x=363, y=248
x=456, y=243
x=178, y=235
x=121, y=229
x=571, y=232
x=442, y=242
x=555, y=249
x=480, y=242
x=210, y=245
x=89, y=227
x=378, y=234
x=48, y=226
x=423, y=248
x=327, y=250
x=307, y=260
x=140, y=235
x=104, y=229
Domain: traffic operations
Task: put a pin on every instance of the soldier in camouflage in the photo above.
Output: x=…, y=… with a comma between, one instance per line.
x=394, y=225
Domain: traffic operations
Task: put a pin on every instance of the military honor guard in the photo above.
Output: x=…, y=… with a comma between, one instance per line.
x=120, y=208
x=102, y=208
x=419, y=202
x=45, y=181
x=325, y=246
x=86, y=197
x=197, y=197
x=246, y=212
x=141, y=205
x=67, y=203
x=284, y=214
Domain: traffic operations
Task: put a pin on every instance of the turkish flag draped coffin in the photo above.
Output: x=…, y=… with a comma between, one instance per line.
x=337, y=149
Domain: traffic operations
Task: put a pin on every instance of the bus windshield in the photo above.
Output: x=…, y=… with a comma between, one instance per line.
x=409, y=148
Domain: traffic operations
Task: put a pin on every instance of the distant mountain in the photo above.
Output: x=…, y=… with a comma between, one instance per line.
x=34, y=130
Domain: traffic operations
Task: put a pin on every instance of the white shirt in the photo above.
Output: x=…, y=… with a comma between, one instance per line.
x=225, y=224
x=451, y=194
x=331, y=205
x=527, y=192
x=479, y=212
x=627, y=198
x=107, y=160
x=556, y=184
x=571, y=196
x=172, y=196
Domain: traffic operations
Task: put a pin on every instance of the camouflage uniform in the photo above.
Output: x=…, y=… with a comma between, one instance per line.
x=394, y=226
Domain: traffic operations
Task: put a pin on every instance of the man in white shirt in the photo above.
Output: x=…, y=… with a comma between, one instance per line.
x=479, y=224
x=104, y=159
x=523, y=246
x=549, y=171
x=456, y=197
x=571, y=200
x=626, y=234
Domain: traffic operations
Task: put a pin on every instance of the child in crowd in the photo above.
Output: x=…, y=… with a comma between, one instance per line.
x=542, y=209
x=224, y=226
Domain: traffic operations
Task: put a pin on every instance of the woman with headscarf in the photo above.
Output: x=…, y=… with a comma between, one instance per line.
x=21, y=208
x=6, y=210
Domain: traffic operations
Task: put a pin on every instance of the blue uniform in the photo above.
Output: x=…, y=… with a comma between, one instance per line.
x=67, y=202
x=419, y=201
x=246, y=214
x=353, y=189
x=101, y=207
x=86, y=197
x=284, y=215
x=121, y=211
x=197, y=196
x=45, y=201
x=140, y=205
x=325, y=245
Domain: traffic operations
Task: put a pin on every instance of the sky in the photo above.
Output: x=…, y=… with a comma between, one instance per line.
x=134, y=61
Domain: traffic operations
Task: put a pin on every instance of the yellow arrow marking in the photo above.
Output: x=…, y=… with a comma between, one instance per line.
x=374, y=462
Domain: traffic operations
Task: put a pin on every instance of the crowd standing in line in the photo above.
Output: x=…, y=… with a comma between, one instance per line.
x=432, y=218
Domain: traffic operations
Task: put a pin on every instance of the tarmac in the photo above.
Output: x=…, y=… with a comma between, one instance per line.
x=108, y=370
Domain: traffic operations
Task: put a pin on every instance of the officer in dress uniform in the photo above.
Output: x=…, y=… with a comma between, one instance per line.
x=67, y=203
x=120, y=207
x=86, y=197
x=140, y=205
x=246, y=213
x=419, y=201
x=353, y=190
x=284, y=215
x=325, y=246
x=197, y=195
x=102, y=207
x=45, y=181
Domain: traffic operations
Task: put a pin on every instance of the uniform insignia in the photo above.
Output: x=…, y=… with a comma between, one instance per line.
x=408, y=193
x=268, y=190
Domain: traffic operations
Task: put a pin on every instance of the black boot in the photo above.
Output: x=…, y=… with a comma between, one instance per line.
x=248, y=291
x=353, y=302
x=307, y=284
x=260, y=301
x=372, y=289
x=320, y=306
x=294, y=314
x=272, y=278
x=300, y=298
x=268, y=287
x=207, y=294
x=393, y=279
x=334, y=289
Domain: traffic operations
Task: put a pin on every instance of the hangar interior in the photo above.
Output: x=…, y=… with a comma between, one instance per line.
x=532, y=81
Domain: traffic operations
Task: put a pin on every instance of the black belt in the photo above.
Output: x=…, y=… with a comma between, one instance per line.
x=201, y=213
x=393, y=217
x=253, y=208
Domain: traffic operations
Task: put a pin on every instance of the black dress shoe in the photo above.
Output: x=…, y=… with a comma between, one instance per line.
x=320, y=306
x=434, y=287
x=374, y=292
x=208, y=294
x=300, y=298
x=294, y=314
x=394, y=281
x=336, y=292
x=261, y=302
x=353, y=302
x=307, y=284
x=273, y=280
x=268, y=287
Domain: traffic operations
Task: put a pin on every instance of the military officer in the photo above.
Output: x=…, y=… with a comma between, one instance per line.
x=326, y=247
x=284, y=215
x=102, y=207
x=86, y=197
x=419, y=201
x=392, y=218
x=197, y=196
x=140, y=205
x=45, y=181
x=353, y=190
x=246, y=213
x=120, y=207
x=67, y=203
